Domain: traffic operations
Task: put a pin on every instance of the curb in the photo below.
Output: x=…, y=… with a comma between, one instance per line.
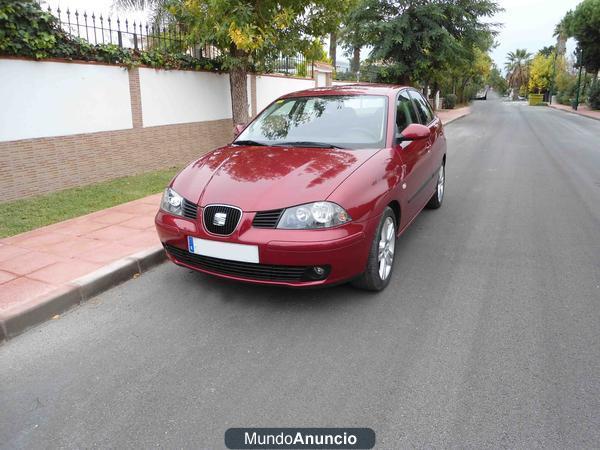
x=575, y=113
x=40, y=309
x=456, y=118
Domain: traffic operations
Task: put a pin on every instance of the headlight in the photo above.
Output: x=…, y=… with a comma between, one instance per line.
x=172, y=202
x=313, y=215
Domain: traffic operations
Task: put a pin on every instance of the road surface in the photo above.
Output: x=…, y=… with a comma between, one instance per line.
x=488, y=335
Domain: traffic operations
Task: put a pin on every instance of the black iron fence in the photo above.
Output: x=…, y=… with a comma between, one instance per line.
x=296, y=65
x=170, y=37
x=98, y=29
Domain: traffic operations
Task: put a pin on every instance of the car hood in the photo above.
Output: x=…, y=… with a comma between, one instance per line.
x=257, y=178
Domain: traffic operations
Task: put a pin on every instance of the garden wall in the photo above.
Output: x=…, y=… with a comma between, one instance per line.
x=65, y=124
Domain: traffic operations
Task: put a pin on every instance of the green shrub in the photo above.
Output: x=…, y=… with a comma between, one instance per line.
x=26, y=30
x=301, y=69
x=594, y=95
x=563, y=98
x=450, y=101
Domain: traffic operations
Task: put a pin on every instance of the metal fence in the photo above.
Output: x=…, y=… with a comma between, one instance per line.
x=97, y=29
x=296, y=65
x=169, y=37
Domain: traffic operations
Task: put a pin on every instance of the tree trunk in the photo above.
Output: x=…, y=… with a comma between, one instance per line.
x=238, y=81
x=333, y=48
x=356, y=59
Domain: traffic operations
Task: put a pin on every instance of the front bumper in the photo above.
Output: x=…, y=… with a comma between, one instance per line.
x=284, y=255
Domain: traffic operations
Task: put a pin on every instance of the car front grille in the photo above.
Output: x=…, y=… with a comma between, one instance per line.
x=190, y=210
x=267, y=219
x=247, y=270
x=211, y=216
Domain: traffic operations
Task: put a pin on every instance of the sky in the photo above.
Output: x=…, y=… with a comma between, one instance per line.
x=527, y=24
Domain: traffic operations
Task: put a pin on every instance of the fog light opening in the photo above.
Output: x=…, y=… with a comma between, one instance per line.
x=317, y=273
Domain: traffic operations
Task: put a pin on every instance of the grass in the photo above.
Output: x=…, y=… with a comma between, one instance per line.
x=27, y=214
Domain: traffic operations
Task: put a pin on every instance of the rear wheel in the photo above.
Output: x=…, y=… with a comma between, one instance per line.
x=438, y=196
x=381, y=256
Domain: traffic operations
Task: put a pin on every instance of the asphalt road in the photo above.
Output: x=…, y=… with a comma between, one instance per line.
x=488, y=335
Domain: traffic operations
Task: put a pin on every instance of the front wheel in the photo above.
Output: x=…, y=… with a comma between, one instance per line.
x=438, y=196
x=381, y=256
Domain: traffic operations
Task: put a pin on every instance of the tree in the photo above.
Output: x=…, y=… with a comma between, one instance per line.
x=584, y=25
x=339, y=14
x=356, y=29
x=421, y=38
x=247, y=33
x=496, y=80
x=517, y=68
x=562, y=32
x=540, y=73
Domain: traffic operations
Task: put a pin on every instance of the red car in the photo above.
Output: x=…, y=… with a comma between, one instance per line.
x=313, y=191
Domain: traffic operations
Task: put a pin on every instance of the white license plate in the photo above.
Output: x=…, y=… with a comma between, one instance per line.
x=223, y=250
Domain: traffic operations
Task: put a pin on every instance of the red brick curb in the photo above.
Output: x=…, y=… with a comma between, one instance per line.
x=25, y=315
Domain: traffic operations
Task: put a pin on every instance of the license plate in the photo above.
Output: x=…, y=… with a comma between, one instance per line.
x=223, y=250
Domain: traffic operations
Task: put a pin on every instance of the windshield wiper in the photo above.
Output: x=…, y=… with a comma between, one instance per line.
x=248, y=142
x=309, y=144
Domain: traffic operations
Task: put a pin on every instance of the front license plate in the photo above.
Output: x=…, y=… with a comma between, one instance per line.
x=223, y=250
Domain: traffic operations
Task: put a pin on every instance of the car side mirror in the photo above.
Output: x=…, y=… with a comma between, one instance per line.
x=237, y=129
x=413, y=132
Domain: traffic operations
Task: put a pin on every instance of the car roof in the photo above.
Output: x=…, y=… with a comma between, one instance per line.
x=349, y=89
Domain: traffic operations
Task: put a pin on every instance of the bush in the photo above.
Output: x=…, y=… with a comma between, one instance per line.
x=301, y=69
x=563, y=98
x=27, y=30
x=450, y=101
x=594, y=96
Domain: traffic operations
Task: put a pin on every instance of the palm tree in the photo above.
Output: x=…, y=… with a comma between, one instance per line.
x=517, y=69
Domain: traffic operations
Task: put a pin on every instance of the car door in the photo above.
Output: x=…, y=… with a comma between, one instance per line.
x=432, y=157
x=413, y=156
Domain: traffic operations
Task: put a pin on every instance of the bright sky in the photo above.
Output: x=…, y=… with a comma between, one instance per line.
x=527, y=23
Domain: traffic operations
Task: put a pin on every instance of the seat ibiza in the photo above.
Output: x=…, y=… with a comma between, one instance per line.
x=314, y=191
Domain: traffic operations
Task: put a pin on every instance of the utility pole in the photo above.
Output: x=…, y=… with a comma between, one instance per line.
x=576, y=105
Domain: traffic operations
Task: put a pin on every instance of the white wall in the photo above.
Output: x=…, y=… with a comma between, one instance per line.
x=321, y=79
x=41, y=99
x=268, y=88
x=181, y=96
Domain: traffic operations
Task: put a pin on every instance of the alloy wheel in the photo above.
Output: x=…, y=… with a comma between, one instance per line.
x=440, y=184
x=387, y=245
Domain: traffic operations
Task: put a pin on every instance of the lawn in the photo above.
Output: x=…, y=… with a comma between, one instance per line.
x=27, y=214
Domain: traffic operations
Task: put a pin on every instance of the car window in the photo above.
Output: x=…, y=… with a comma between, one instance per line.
x=348, y=121
x=405, y=112
x=423, y=107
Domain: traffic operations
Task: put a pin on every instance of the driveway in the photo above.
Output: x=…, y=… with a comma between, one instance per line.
x=488, y=335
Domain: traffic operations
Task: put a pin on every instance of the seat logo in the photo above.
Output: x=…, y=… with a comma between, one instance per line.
x=219, y=219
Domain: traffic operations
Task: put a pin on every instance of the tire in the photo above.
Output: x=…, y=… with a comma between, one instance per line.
x=376, y=277
x=438, y=196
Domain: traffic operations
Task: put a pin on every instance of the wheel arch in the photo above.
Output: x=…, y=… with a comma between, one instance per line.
x=395, y=206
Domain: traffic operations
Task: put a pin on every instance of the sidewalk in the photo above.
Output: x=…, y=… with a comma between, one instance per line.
x=582, y=110
x=450, y=115
x=45, y=271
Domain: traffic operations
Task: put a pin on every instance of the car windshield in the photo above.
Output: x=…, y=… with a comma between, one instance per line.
x=340, y=121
